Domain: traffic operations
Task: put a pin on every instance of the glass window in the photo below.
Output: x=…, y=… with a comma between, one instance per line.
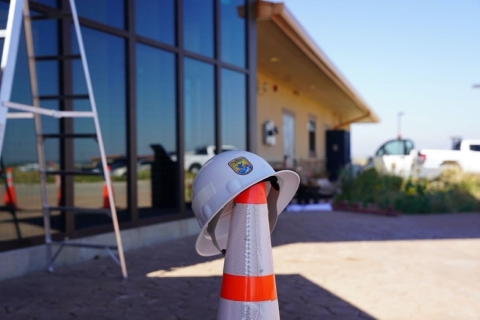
x=51, y=3
x=19, y=152
x=233, y=31
x=106, y=62
x=234, y=110
x=311, y=138
x=202, y=151
x=3, y=15
x=475, y=147
x=110, y=12
x=44, y=39
x=156, y=20
x=199, y=117
x=198, y=26
x=394, y=148
x=49, y=83
x=408, y=146
x=156, y=130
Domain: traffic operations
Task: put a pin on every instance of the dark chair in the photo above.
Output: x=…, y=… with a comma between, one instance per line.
x=164, y=180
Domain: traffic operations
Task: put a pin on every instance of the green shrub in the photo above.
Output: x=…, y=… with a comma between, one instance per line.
x=452, y=191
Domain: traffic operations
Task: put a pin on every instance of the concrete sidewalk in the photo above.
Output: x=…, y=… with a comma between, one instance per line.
x=329, y=265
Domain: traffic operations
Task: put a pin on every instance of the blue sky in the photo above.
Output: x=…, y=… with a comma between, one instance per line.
x=418, y=57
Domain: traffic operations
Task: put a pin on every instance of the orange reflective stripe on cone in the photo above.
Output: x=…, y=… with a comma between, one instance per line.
x=248, y=289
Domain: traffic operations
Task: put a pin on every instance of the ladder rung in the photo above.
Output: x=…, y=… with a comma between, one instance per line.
x=69, y=135
x=64, y=97
x=48, y=112
x=64, y=57
x=73, y=173
x=80, y=210
x=3, y=33
x=83, y=245
x=19, y=115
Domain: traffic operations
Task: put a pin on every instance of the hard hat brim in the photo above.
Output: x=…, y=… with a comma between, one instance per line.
x=288, y=181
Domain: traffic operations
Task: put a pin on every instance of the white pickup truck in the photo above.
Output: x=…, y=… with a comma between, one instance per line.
x=464, y=156
x=400, y=157
x=195, y=159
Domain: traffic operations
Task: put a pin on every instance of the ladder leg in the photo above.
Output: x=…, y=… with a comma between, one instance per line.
x=38, y=133
x=48, y=241
x=100, y=140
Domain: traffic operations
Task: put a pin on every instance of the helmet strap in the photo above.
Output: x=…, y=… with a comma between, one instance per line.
x=211, y=231
x=272, y=200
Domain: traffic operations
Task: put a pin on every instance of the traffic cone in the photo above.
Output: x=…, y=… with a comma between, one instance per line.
x=106, y=201
x=58, y=184
x=248, y=285
x=10, y=199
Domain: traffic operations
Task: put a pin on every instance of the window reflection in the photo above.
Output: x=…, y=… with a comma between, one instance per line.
x=156, y=132
x=44, y=43
x=198, y=26
x=110, y=12
x=49, y=84
x=51, y=3
x=233, y=31
x=106, y=62
x=199, y=118
x=394, y=148
x=156, y=20
x=19, y=152
x=234, y=109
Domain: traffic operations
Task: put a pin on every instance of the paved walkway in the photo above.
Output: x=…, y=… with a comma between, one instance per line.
x=328, y=266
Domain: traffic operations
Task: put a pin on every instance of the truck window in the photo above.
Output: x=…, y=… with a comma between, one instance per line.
x=394, y=148
x=475, y=147
x=408, y=146
x=380, y=152
x=202, y=151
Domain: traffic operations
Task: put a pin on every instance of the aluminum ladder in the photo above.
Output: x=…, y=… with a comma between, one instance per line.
x=18, y=12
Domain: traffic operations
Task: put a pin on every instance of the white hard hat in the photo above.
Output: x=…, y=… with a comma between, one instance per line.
x=220, y=180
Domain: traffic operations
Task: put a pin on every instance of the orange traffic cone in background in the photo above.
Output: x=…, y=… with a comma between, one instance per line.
x=58, y=184
x=248, y=285
x=106, y=201
x=10, y=198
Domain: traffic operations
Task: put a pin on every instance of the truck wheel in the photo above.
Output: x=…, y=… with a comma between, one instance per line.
x=194, y=168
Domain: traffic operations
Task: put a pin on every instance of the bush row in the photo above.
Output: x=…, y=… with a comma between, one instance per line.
x=451, y=191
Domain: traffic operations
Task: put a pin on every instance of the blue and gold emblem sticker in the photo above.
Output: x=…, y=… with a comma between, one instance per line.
x=241, y=165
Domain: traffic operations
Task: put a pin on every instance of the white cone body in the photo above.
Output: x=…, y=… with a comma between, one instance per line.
x=249, y=254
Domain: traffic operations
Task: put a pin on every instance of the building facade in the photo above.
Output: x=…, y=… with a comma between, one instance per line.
x=169, y=77
x=174, y=81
